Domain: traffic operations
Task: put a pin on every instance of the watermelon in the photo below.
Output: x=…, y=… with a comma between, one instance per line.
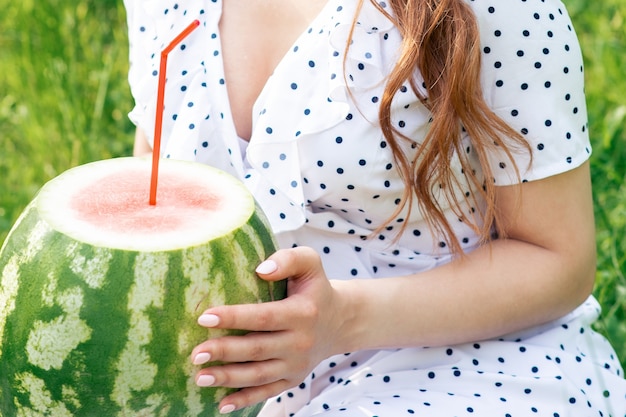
x=100, y=291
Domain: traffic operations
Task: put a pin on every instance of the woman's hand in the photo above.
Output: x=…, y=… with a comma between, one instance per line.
x=287, y=338
x=543, y=270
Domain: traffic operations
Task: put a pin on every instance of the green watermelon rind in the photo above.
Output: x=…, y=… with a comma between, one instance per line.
x=128, y=355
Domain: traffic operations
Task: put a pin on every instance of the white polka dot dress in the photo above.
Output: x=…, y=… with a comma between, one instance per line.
x=320, y=168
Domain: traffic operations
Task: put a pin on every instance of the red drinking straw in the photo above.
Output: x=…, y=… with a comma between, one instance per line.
x=156, y=148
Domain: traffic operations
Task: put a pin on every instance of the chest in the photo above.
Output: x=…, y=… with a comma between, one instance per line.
x=255, y=35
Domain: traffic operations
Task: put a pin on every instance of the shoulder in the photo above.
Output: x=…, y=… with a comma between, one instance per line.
x=533, y=78
x=519, y=13
x=525, y=23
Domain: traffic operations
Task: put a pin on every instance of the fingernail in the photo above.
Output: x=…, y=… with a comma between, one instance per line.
x=208, y=320
x=201, y=358
x=267, y=267
x=205, y=380
x=227, y=409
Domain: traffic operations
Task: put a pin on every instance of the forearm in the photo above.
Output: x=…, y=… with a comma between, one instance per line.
x=505, y=287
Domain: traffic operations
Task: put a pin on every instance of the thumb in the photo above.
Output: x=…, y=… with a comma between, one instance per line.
x=299, y=262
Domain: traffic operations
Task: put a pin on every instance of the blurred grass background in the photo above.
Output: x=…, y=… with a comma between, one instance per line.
x=64, y=99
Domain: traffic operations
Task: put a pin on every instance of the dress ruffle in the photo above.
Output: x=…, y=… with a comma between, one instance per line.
x=330, y=101
x=193, y=128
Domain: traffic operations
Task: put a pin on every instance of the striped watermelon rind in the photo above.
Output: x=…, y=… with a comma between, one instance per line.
x=89, y=330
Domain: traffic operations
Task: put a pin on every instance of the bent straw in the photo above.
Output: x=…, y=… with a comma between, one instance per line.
x=156, y=148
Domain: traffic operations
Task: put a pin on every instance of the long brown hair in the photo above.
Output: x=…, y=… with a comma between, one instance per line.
x=441, y=39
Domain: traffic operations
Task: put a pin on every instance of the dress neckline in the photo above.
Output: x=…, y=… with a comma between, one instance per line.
x=281, y=63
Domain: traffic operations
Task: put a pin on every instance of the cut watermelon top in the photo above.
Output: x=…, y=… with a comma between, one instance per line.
x=107, y=205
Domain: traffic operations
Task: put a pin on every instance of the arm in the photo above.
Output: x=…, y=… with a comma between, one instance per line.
x=141, y=147
x=542, y=271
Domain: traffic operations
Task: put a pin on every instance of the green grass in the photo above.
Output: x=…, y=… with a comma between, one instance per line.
x=63, y=93
x=601, y=27
x=64, y=99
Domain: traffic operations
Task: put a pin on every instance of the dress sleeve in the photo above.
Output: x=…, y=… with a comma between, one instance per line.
x=141, y=37
x=532, y=77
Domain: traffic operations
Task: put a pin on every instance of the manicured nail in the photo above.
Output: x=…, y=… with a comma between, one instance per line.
x=201, y=358
x=205, y=380
x=267, y=267
x=208, y=320
x=227, y=409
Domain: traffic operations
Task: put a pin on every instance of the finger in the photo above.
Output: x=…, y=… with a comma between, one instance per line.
x=253, y=395
x=298, y=262
x=250, y=347
x=262, y=317
x=242, y=375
